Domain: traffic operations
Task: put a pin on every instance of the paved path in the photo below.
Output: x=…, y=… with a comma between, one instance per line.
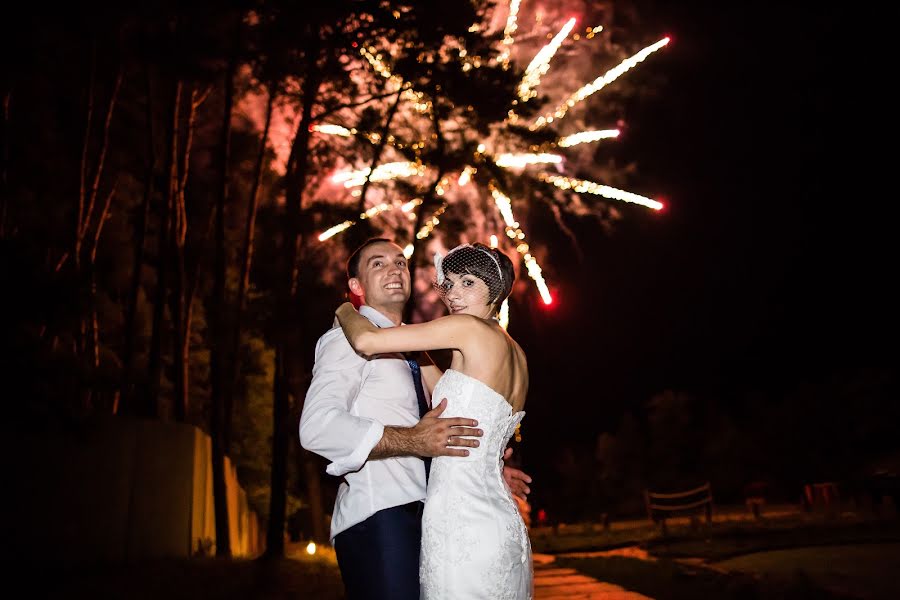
x=554, y=583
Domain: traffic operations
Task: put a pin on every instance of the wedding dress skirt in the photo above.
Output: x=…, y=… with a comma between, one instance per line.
x=474, y=541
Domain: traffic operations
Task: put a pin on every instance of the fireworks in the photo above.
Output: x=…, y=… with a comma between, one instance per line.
x=589, y=187
x=541, y=63
x=517, y=161
x=381, y=173
x=497, y=150
x=583, y=137
x=599, y=83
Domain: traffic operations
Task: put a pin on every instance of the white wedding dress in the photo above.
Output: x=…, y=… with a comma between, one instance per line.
x=474, y=541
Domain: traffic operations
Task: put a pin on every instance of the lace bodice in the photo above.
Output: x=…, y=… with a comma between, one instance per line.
x=474, y=542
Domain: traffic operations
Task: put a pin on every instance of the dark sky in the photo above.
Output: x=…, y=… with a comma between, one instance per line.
x=772, y=262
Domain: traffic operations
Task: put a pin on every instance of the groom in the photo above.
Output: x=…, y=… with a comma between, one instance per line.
x=370, y=418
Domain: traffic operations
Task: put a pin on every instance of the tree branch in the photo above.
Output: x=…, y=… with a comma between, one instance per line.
x=103, y=149
x=382, y=142
x=340, y=107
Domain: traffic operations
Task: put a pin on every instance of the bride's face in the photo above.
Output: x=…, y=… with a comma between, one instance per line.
x=465, y=294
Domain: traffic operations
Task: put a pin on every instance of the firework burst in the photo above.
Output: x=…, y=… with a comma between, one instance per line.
x=503, y=149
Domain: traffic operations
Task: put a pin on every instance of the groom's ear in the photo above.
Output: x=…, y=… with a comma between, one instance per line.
x=356, y=287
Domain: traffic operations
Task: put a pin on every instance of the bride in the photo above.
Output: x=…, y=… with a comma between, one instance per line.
x=474, y=541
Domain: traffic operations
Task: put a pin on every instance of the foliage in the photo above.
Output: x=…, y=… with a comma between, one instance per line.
x=833, y=430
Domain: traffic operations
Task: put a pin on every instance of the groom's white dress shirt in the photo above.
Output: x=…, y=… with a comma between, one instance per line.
x=350, y=400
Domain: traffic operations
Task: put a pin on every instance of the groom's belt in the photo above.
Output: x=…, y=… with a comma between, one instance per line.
x=414, y=508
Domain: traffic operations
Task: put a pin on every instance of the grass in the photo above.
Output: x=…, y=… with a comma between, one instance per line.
x=207, y=578
x=853, y=570
x=724, y=543
x=733, y=532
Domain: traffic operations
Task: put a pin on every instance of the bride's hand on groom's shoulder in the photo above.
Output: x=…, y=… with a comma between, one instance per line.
x=344, y=308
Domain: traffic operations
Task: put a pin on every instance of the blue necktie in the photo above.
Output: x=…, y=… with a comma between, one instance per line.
x=423, y=405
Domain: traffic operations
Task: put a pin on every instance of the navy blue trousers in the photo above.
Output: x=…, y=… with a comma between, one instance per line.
x=379, y=558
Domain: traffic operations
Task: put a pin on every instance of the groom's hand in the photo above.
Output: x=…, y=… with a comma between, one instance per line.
x=431, y=436
x=436, y=436
x=516, y=480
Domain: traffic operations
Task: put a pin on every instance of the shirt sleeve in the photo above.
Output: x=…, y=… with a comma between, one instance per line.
x=327, y=425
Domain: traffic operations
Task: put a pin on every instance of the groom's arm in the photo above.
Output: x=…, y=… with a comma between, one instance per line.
x=431, y=436
x=327, y=427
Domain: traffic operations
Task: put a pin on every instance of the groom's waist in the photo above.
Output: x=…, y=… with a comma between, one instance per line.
x=362, y=496
x=413, y=508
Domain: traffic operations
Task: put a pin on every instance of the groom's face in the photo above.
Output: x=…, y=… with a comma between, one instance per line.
x=383, y=278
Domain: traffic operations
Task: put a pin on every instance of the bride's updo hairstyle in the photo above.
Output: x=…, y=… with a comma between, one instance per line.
x=487, y=264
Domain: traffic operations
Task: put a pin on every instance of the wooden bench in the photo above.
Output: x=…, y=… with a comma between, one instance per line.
x=662, y=506
x=755, y=494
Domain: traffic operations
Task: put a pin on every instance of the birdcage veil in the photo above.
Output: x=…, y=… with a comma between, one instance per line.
x=467, y=261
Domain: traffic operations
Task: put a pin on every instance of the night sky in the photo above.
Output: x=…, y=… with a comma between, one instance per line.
x=770, y=265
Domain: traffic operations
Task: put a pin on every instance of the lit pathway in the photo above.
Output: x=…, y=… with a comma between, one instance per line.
x=554, y=583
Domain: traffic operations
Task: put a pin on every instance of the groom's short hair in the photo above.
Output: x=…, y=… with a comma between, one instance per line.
x=353, y=261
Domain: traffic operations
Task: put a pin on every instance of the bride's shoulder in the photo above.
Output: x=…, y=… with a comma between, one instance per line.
x=516, y=346
x=461, y=320
x=521, y=358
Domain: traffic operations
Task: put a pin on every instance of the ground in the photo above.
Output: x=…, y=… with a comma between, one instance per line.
x=789, y=555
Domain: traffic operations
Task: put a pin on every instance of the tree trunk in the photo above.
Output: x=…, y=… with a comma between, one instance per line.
x=311, y=471
x=426, y=209
x=379, y=149
x=180, y=307
x=86, y=213
x=88, y=345
x=278, y=496
x=94, y=342
x=176, y=313
x=429, y=202
x=4, y=162
x=218, y=425
x=363, y=229
x=127, y=394
x=83, y=171
x=84, y=391
x=247, y=262
x=298, y=165
x=154, y=367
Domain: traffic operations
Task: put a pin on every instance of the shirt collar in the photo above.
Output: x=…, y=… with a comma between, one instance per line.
x=376, y=317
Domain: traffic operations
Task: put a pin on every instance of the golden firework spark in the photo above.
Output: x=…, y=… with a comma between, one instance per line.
x=583, y=137
x=485, y=153
x=599, y=83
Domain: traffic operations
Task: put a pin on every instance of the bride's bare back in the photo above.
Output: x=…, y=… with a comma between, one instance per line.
x=494, y=358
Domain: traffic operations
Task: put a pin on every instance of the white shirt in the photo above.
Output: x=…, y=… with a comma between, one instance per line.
x=349, y=401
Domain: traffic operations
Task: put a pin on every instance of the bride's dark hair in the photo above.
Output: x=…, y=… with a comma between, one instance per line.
x=487, y=264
